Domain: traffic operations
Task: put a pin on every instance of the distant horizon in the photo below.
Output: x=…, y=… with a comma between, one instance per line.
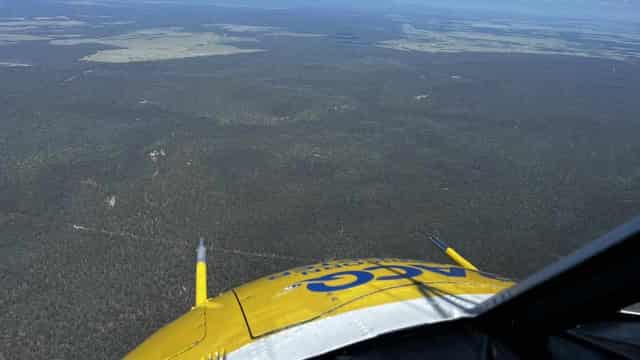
x=617, y=10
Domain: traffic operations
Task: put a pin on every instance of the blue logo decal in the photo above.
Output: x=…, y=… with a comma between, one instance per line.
x=446, y=271
x=397, y=270
x=405, y=272
x=318, y=284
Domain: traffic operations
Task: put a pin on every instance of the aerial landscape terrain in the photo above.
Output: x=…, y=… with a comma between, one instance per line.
x=286, y=136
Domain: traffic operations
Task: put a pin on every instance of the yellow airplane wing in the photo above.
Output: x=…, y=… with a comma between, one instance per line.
x=570, y=309
x=345, y=301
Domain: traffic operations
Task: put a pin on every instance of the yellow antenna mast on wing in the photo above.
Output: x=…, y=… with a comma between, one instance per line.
x=201, y=274
x=454, y=255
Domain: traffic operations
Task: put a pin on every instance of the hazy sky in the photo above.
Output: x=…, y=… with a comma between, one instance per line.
x=611, y=9
x=629, y=9
x=600, y=9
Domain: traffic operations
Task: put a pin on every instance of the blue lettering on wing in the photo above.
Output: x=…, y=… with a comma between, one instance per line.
x=354, y=278
x=319, y=284
x=446, y=271
x=403, y=272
